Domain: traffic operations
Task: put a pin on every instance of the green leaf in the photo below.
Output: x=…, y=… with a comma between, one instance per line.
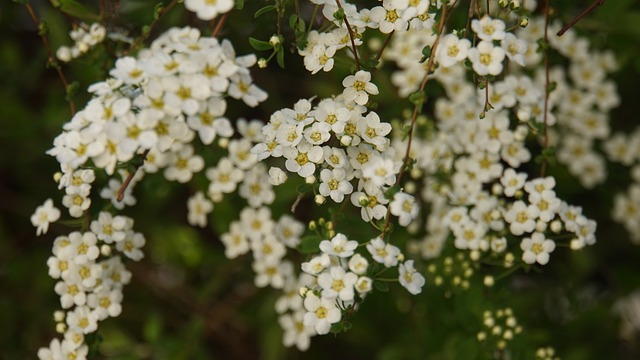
x=392, y=191
x=339, y=15
x=259, y=44
x=76, y=9
x=310, y=244
x=264, y=10
x=380, y=286
x=280, y=57
x=239, y=4
x=303, y=188
x=417, y=98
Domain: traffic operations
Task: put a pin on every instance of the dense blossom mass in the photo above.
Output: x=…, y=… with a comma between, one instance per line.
x=460, y=178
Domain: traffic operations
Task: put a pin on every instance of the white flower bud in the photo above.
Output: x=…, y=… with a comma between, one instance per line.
x=541, y=226
x=319, y=199
x=524, y=22
x=488, y=281
x=105, y=250
x=556, y=226
x=482, y=336
x=57, y=176
x=310, y=179
x=61, y=327
x=345, y=140
x=64, y=54
x=223, y=143
x=58, y=315
x=274, y=40
x=303, y=291
x=262, y=63
x=496, y=189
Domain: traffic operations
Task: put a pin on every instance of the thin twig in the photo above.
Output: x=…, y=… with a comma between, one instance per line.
x=127, y=181
x=351, y=36
x=52, y=60
x=384, y=46
x=582, y=14
x=543, y=166
x=219, y=25
x=141, y=39
x=416, y=110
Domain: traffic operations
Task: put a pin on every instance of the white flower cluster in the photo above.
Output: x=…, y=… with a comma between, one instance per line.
x=157, y=102
x=341, y=276
x=90, y=281
x=84, y=39
x=484, y=202
x=341, y=143
x=391, y=16
x=152, y=107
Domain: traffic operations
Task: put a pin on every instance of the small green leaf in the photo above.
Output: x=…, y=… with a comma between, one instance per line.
x=264, y=10
x=157, y=10
x=339, y=15
x=280, y=57
x=303, y=188
x=239, y=4
x=417, y=98
x=380, y=286
x=76, y=9
x=310, y=244
x=259, y=44
x=392, y=191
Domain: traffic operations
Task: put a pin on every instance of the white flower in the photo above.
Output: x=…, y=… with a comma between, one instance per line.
x=316, y=265
x=521, y=217
x=235, y=241
x=452, y=50
x=199, y=207
x=321, y=313
x=337, y=283
x=82, y=319
x=410, y=278
x=383, y=252
x=295, y=331
x=106, y=303
x=486, y=59
x=334, y=184
x=358, y=87
x=44, y=214
x=404, y=206
x=183, y=164
x=488, y=29
x=537, y=249
x=358, y=264
x=339, y=246
x=277, y=176
x=320, y=58
x=512, y=181
x=207, y=9
x=131, y=246
x=271, y=271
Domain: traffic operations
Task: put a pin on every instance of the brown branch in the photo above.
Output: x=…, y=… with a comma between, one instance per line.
x=52, y=60
x=351, y=36
x=216, y=31
x=127, y=181
x=384, y=46
x=582, y=14
x=416, y=109
x=543, y=166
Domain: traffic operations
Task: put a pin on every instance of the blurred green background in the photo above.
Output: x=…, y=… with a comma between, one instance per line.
x=186, y=301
